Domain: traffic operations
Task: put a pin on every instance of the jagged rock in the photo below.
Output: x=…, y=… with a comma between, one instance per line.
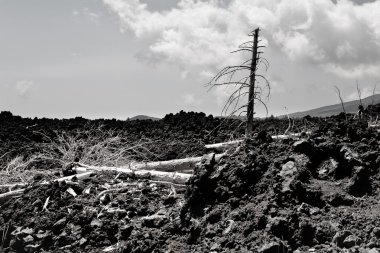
x=360, y=183
x=340, y=236
x=82, y=241
x=31, y=248
x=349, y=155
x=279, y=227
x=273, y=247
x=373, y=242
x=215, y=246
x=264, y=137
x=28, y=239
x=304, y=208
x=288, y=173
x=96, y=223
x=153, y=221
x=376, y=232
x=351, y=241
x=339, y=199
x=305, y=147
x=327, y=168
x=125, y=231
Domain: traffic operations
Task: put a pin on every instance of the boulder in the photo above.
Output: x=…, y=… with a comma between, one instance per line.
x=340, y=236
x=273, y=247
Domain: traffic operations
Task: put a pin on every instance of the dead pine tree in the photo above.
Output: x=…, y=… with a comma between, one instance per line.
x=341, y=102
x=246, y=80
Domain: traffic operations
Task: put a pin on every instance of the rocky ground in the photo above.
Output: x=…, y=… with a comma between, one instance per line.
x=316, y=193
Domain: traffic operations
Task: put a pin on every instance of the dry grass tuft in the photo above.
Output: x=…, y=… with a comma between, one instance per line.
x=95, y=146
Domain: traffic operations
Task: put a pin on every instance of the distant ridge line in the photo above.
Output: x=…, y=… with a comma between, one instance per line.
x=330, y=110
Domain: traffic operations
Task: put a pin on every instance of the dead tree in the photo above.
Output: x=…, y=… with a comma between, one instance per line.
x=246, y=81
x=341, y=101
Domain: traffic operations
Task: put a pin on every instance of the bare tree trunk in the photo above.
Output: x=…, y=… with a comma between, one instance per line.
x=251, y=96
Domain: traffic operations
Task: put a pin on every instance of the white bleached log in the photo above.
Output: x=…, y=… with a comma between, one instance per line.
x=225, y=145
x=7, y=195
x=173, y=177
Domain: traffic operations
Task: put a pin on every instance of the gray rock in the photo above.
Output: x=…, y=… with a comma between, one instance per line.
x=340, y=236
x=32, y=248
x=351, y=241
x=273, y=247
x=373, y=242
x=305, y=147
x=28, y=238
x=215, y=246
x=288, y=173
x=304, y=208
x=376, y=232
x=82, y=241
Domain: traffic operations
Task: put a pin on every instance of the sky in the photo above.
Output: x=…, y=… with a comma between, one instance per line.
x=121, y=58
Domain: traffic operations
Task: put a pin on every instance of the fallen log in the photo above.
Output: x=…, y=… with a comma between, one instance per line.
x=8, y=195
x=225, y=145
x=184, y=165
x=173, y=177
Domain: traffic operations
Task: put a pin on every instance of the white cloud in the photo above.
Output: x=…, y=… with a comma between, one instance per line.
x=91, y=15
x=88, y=14
x=23, y=88
x=190, y=99
x=340, y=35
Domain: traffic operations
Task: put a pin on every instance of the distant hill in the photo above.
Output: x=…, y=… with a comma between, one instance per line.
x=143, y=117
x=325, y=111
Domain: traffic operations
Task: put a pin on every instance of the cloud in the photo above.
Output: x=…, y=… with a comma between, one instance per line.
x=190, y=99
x=341, y=38
x=23, y=88
x=88, y=14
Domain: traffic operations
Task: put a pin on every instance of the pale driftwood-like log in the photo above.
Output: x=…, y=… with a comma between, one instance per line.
x=7, y=195
x=78, y=176
x=223, y=146
x=173, y=177
x=184, y=165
